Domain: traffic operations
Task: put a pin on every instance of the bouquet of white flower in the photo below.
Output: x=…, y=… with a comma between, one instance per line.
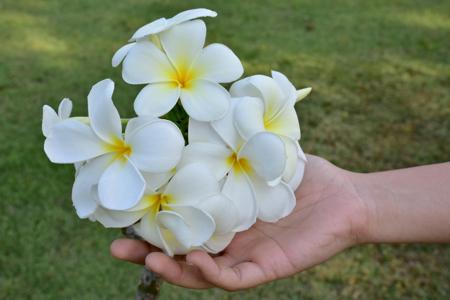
x=242, y=161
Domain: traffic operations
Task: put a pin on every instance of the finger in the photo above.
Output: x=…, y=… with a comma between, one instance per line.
x=176, y=272
x=240, y=276
x=130, y=250
x=226, y=260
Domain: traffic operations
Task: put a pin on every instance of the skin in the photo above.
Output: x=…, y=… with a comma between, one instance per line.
x=336, y=209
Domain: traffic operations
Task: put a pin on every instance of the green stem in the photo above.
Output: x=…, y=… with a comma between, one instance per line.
x=124, y=121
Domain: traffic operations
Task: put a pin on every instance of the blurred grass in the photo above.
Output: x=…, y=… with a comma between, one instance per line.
x=380, y=71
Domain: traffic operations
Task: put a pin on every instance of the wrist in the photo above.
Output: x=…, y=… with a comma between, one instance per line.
x=366, y=218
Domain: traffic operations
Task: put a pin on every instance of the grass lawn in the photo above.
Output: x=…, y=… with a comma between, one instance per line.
x=380, y=72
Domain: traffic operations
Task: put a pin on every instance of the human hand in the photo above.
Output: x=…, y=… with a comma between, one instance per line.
x=328, y=218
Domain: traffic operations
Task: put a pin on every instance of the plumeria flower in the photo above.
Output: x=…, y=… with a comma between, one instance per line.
x=50, y=118
x=149, y=145
x=253, y=168
x=184, y=70
x=187, y=212
x=151, y=30
x=270, y=108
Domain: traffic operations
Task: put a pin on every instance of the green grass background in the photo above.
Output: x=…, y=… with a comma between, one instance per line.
x=380, y=76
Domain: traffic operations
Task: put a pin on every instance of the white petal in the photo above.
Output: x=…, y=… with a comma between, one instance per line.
x=296, y=179
x=145, y=63
x=183, y=43
x=238, y=189
x=301, y=94
x=121, y=186
x=120, y=54
x=49, y=119
x=202, y=132
x=176, y=224
x=156, y=99
x=192, y=184
x=218, y=242
x=77, y=166
x=218, y=63
x=215, y=156
x=72, y=141
x=226, y=129
x=205, y=101
x=171, y=246
x=301, y=154
x=243, y=88
x=145, y=203
x=272, y=95
x=117, y=218
x=136, y=123
x=103, y=115
x=249, y=116
x=265, y=153
x=286, y=86
x=156, y=147
x=65, y=108
x=191, y=14
x=162, y=24
x=200, y=224
x=291, y=147
x=274, y=202
x=154, y=181
x=285, y=123
x=84, y=190
x=263, y=87
x=150, y=28
x=223, y=211
x=148, y=229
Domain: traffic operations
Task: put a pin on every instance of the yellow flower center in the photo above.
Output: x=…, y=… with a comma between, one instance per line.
x=240, y=166
x=120, y=148
x=158, y=202
x=266, y=122
x=183, y=76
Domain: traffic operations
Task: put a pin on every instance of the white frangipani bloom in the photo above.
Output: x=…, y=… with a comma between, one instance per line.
x=185, y=70
x=150, y=145
x=270, y=107
x=186, y=212
x=150, y=30
x=50, y=118
x=254, y=167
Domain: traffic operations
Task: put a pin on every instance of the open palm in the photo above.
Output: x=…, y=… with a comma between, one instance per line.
x=327, y=219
